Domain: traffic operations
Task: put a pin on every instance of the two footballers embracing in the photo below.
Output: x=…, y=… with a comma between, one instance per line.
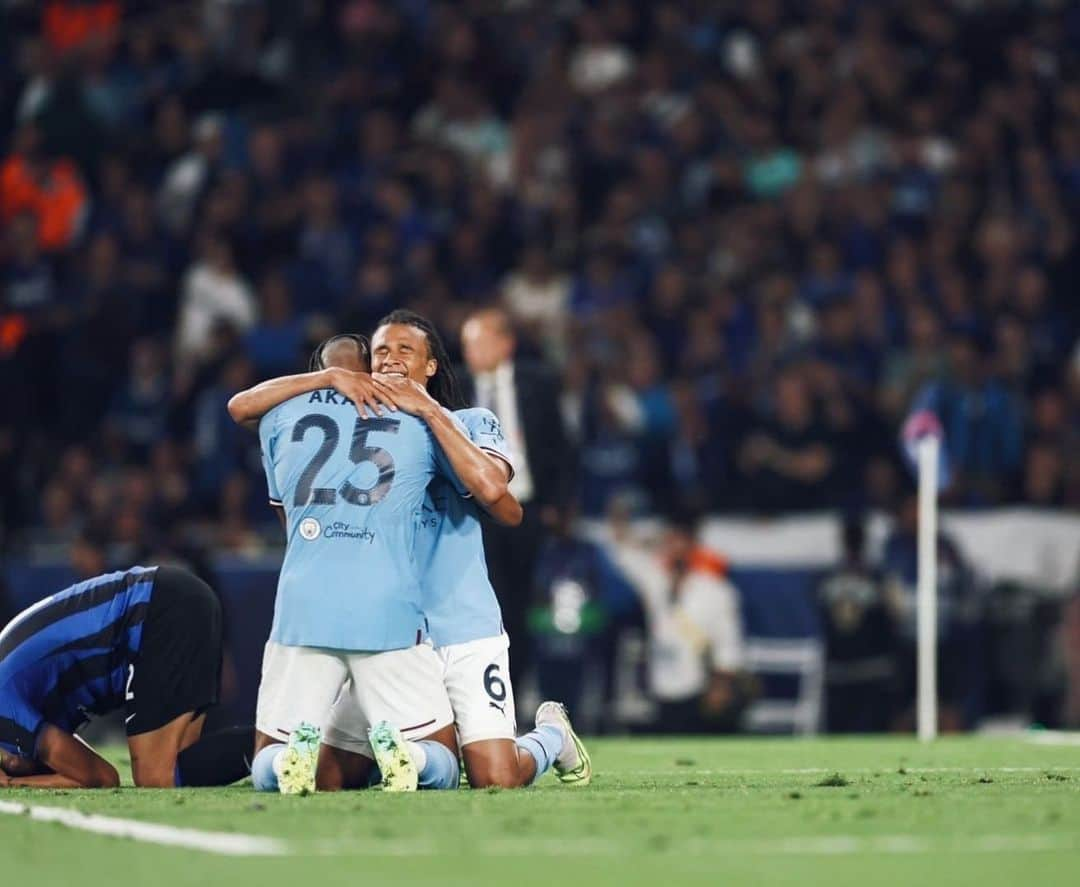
x=387, y=661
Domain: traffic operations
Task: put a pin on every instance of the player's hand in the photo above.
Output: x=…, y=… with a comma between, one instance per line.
x=411, y=397
x=719, y=695
x=12, y=766
x=370, y=394
x=5, y=780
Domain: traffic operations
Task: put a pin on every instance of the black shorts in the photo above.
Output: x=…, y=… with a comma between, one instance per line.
x=178, y=668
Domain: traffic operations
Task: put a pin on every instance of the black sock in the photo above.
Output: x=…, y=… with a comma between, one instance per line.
x=219, y=758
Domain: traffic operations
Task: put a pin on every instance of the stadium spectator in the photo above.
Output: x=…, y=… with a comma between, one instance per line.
x=770, y=231
x=275, y=341
x=214, y=293
x=535, y=295
x=140, y=410
x=49, y=188
x=69, y=25
x=788, y=458
x=189, y=176
x=695, y=635
x=860, y=641
x=982, y=424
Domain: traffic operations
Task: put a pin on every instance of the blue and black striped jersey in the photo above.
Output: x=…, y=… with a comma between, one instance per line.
x=70, y=656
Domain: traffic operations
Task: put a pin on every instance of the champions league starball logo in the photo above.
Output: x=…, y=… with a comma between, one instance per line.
x=310, y=528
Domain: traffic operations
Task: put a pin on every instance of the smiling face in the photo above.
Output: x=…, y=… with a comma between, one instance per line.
x=402, y=350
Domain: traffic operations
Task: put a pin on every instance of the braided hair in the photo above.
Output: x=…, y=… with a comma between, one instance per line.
x=443, y=386
x=318, y=361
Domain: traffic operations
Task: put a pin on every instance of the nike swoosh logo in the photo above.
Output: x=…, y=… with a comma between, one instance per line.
x=127, y=720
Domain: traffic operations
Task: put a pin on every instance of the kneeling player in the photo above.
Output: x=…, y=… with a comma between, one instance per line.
x=459, y=602
x=147, y=640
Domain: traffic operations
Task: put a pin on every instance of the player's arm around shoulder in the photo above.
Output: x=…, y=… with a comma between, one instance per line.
x=483, y=476
x=247, y=407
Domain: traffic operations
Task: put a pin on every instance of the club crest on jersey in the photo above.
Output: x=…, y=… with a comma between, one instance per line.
x=310, y=528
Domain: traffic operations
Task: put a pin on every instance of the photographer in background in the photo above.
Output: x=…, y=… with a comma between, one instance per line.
x=694, y=627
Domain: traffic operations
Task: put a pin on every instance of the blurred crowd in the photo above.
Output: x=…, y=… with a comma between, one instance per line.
x=745, y=236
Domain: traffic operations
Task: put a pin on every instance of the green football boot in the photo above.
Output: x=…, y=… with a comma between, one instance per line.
x=392, y=755
x=295, y=767
x=573, y=766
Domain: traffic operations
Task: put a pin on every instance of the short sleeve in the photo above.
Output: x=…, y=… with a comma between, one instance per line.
x=442, y=462
x=485, y=430
x=268, y=443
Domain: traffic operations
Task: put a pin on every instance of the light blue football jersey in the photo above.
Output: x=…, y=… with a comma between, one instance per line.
x=352, y=489
x=458, y=598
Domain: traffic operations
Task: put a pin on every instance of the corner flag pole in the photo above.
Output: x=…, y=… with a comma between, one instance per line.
x=928, y=449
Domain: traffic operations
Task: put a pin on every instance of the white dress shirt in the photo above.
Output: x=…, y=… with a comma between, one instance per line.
x=495, y=391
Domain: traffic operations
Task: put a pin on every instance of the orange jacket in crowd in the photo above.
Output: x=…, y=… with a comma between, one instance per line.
x=67, y=25
x=59, y=203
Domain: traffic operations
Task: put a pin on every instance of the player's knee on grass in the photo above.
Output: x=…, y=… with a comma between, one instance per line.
x=153, y=767
x=105, y=776
x=496, y=763
x=154, y=754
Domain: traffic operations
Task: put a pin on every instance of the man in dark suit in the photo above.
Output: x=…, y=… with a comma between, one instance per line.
x=525, y=397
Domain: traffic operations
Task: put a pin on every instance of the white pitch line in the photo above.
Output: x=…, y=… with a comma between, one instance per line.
x=815, y=771
x=222, y=843
x=1054, y=737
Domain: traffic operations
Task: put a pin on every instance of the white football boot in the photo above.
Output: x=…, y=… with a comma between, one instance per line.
x=392, y=755
x=295, y=766
x=573, y=766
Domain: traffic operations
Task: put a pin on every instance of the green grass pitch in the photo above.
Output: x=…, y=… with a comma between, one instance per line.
x=666, y=812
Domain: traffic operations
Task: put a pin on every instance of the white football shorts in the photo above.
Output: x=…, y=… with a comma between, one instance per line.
x=345, y=692
x=477, y=679
x=403, y=687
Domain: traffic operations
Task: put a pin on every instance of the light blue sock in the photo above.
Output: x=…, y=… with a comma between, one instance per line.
x=263, y=776
x=544, y=744
x=441, y=769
